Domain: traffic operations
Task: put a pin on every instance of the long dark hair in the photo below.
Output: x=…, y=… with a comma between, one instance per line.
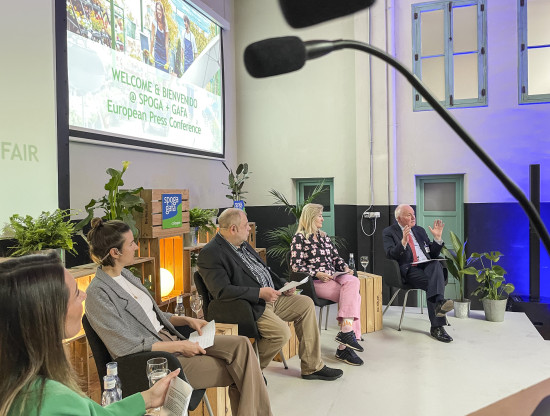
x=33, y=307
x=103, y=237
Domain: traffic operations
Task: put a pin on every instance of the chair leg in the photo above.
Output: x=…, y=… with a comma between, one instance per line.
x=391, y=301
x=255, y=345
x=403, y=310
x=207, y=404
x=421, y=301
x=326, y=318
x=320, y=317
x=283, y=358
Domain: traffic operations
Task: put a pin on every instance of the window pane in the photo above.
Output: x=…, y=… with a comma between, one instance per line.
x=431, y=31
x=433, y=76
x=538, y=14
x=322, y=199
x=440, y=196
x=465, y=29
x=539, y=71
x=465, y=74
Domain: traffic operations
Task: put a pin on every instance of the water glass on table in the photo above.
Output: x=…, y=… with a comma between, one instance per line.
x=196, y=303
x=157, y=368
x=364, y=260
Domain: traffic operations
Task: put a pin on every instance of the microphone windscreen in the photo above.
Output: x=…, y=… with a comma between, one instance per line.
x=303, y=13
x=274, y=56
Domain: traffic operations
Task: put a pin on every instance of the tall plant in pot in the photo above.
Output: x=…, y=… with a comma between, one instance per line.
x=458, y=266
x=235, y=183
x=493, y=289
x=118, y=204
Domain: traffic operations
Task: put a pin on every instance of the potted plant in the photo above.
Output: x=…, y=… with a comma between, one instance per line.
x=118, y=204
x=200, y=220
x=492, y=286
x=235, y=184
x=47, y=231
x=458, y=266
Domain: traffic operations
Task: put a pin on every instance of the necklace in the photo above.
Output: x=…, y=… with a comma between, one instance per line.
x=129, y=288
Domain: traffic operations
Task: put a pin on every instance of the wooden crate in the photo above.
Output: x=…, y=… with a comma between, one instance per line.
x=252, y=234
x=218, y=396
x=290, y=349
x=150, y=220
x=371, y=302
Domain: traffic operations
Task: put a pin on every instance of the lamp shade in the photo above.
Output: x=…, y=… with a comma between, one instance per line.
x=166, y=282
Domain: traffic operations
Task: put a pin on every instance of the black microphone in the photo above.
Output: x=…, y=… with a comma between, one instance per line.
x=281, y=55
x=303, y=13
x=277, y=56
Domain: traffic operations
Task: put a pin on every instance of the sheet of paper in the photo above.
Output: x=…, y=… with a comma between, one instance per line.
x=291, y=285
x=177, y=398
x=427, y=261
x=207, y=338
x=336, y=274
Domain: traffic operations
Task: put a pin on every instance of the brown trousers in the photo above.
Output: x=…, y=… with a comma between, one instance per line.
x=229, y=362
x=275, y=333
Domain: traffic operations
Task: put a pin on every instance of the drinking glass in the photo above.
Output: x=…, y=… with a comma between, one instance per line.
x=157, y=368
x=364, y=260
x=196, y=303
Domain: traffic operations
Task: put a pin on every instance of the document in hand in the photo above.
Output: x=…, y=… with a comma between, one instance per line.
x=207, y=338
x=291, y=285
x=427, y=261
x=177, y=399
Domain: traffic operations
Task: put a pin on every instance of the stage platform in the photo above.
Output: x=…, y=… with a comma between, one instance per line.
x=410, y=373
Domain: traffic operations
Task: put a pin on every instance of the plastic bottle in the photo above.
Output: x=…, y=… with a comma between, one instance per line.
x=351, y=263
x=112, y=370
x=180, y=309
x=110, y=393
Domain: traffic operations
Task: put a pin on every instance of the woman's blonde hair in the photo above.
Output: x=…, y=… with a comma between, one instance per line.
x=33, y=306
x=306, y=225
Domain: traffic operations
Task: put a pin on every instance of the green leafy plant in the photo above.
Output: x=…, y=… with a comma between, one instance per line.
x=458, y=265
x=118, y=204
x=202, y=218
x=236, y=181
x=280, y=238
x=491, y=277
x=47, y=231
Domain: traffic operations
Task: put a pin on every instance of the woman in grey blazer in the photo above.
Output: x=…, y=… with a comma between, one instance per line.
x=127, y=319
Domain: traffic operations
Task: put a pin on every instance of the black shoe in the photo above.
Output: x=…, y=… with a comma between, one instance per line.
x=348, y=356
x=439, y=333
x=349, y=340
x=325, y=373
x=443, y=306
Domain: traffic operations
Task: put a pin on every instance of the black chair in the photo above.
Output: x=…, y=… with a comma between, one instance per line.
x=238, y=311
x=308, y=289
x=132, y=368
x=392, y=277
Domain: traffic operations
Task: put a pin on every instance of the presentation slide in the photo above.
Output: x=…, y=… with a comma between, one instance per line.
x=145, y=73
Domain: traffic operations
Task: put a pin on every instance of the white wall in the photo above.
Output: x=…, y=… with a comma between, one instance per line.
x=513, y=135
x=306, y=124
x=202, y=177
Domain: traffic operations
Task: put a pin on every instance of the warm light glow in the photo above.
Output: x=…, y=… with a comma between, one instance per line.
x=166, y=282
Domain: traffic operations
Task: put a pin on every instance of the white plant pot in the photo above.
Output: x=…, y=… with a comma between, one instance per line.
x=462, y=309
x=494, y=309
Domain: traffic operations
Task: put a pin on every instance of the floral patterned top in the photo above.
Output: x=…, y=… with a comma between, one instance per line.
x=310, y=256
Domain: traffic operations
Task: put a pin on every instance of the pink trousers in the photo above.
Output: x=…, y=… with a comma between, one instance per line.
x=344, y=289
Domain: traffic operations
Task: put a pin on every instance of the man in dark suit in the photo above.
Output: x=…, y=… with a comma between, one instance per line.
x=408, y=244
x=232, y=269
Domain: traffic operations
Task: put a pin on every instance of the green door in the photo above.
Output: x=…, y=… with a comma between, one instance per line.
x=442, y=196
x=304, y=188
